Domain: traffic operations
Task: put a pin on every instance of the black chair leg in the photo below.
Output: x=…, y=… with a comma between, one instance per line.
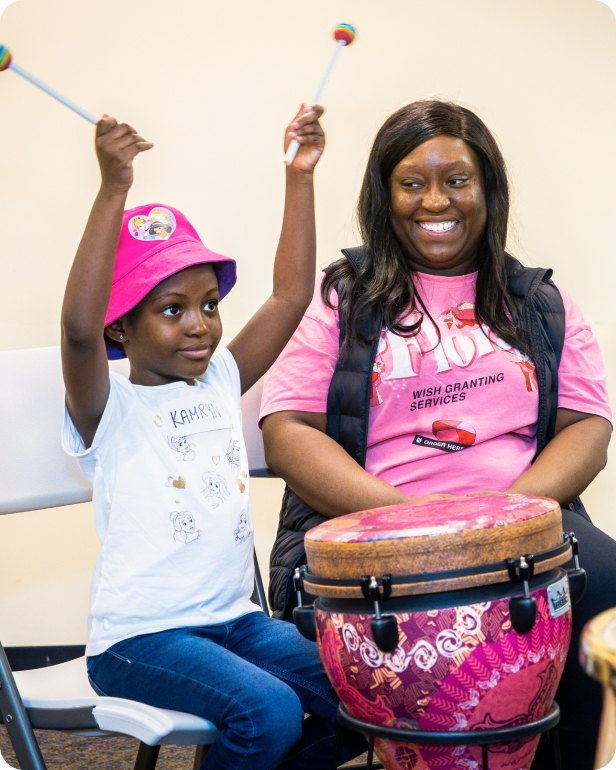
x=200, y=753
x=16, y=720
x=370, y=753
x=555, y=745
x=147, y=756
x=259, y=590
x=337, y=746
x=484, y=757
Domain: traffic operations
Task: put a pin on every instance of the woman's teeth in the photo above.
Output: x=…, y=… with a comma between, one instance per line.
x=437, y=227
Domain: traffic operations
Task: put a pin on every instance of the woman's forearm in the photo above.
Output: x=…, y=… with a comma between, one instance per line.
x=319, y=469
x=569, y=462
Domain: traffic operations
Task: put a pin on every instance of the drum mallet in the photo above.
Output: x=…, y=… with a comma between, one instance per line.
x=345, y=35
x=6, y=62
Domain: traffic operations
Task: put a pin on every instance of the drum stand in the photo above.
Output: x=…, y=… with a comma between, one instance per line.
x=483, y=738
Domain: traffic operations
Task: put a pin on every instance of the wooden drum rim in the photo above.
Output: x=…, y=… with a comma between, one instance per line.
x=598, y=648
x=436, y=582
x=442, y=545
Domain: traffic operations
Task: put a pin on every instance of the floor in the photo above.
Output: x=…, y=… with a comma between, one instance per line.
x=63, y=751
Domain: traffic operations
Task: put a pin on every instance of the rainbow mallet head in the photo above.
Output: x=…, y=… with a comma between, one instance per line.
x=345, y=33
x=5, y=58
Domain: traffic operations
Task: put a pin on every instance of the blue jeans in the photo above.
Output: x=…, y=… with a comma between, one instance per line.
x=253, y=677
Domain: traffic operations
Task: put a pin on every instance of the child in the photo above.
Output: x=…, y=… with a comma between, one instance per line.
x=171, y=623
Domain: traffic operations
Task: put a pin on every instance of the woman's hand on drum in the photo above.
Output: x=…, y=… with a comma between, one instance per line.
x=427, y=498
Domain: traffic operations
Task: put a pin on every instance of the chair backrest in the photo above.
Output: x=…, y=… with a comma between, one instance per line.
x=34, y=470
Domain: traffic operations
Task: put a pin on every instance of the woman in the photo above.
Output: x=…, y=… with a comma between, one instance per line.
x=448, y=369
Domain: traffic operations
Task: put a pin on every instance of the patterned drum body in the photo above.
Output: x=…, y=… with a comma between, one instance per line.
x=455, y=669
x=459, y=664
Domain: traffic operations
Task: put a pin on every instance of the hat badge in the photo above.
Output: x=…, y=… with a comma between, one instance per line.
x=158, y=225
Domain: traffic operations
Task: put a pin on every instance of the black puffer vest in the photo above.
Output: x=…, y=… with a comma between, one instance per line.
x=536, y=305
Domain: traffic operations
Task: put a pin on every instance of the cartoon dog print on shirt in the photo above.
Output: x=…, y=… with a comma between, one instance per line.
x=241, y=533
x=184, y=526
x=233, y=453
x=216, y=491
x=184, y=447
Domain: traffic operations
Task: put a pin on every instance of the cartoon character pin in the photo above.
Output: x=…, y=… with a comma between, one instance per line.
x=158, y=225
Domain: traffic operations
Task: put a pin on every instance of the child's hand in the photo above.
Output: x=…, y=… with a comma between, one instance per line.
x=308, y=132
x=117, y=144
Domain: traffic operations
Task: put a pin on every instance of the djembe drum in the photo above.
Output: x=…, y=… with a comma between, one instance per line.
x=598, y=658
x=450, y=615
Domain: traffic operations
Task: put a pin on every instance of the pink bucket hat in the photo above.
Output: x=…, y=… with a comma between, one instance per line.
x=156, y=241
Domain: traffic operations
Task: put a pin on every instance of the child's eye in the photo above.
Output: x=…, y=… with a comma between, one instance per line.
x=210, y=307
x=458, y=181
x=171, y=310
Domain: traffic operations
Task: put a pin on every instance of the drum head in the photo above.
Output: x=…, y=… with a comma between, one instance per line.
x=450, y=535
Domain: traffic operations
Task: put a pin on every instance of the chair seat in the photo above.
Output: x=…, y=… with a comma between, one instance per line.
x=61, y=698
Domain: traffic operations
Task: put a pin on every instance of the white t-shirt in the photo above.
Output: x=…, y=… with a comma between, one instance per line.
x=171, y=503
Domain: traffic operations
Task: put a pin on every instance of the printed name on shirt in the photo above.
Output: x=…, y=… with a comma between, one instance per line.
x=195, y=413
x=428, y=398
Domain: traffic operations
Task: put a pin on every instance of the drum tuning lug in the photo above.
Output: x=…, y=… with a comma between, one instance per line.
x=530, y=558
x=577, y=576
x=523, y=609
x=298, y=583
x=511, y=569
x=386, y=587
x=303, y=617
x=575, y=549
x=385, y=632
x=374, y=591
x=527, y=567
x=521, y=569
x=384, y=627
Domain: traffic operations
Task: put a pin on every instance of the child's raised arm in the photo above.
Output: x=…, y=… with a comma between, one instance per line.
x=261, y=341
x=84, y=356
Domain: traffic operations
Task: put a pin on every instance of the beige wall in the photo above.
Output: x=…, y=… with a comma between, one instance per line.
x=213, y=83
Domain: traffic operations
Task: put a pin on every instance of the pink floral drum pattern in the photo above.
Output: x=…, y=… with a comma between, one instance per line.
x=460, y=668
x=437, y=517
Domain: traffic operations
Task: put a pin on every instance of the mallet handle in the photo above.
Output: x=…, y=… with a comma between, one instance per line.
x=52, y=92
x=295, y=145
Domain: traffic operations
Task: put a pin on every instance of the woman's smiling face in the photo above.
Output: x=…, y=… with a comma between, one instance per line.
x=438, y=206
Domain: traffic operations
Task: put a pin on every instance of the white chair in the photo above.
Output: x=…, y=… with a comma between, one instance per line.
x=36, y=473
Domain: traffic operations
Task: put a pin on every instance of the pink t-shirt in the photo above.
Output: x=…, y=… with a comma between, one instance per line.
x=454, y=416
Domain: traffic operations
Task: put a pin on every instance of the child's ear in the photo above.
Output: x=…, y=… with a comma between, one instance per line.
x=116, y=331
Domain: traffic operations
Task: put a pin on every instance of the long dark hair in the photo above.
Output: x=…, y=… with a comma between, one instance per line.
x=385, y=280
